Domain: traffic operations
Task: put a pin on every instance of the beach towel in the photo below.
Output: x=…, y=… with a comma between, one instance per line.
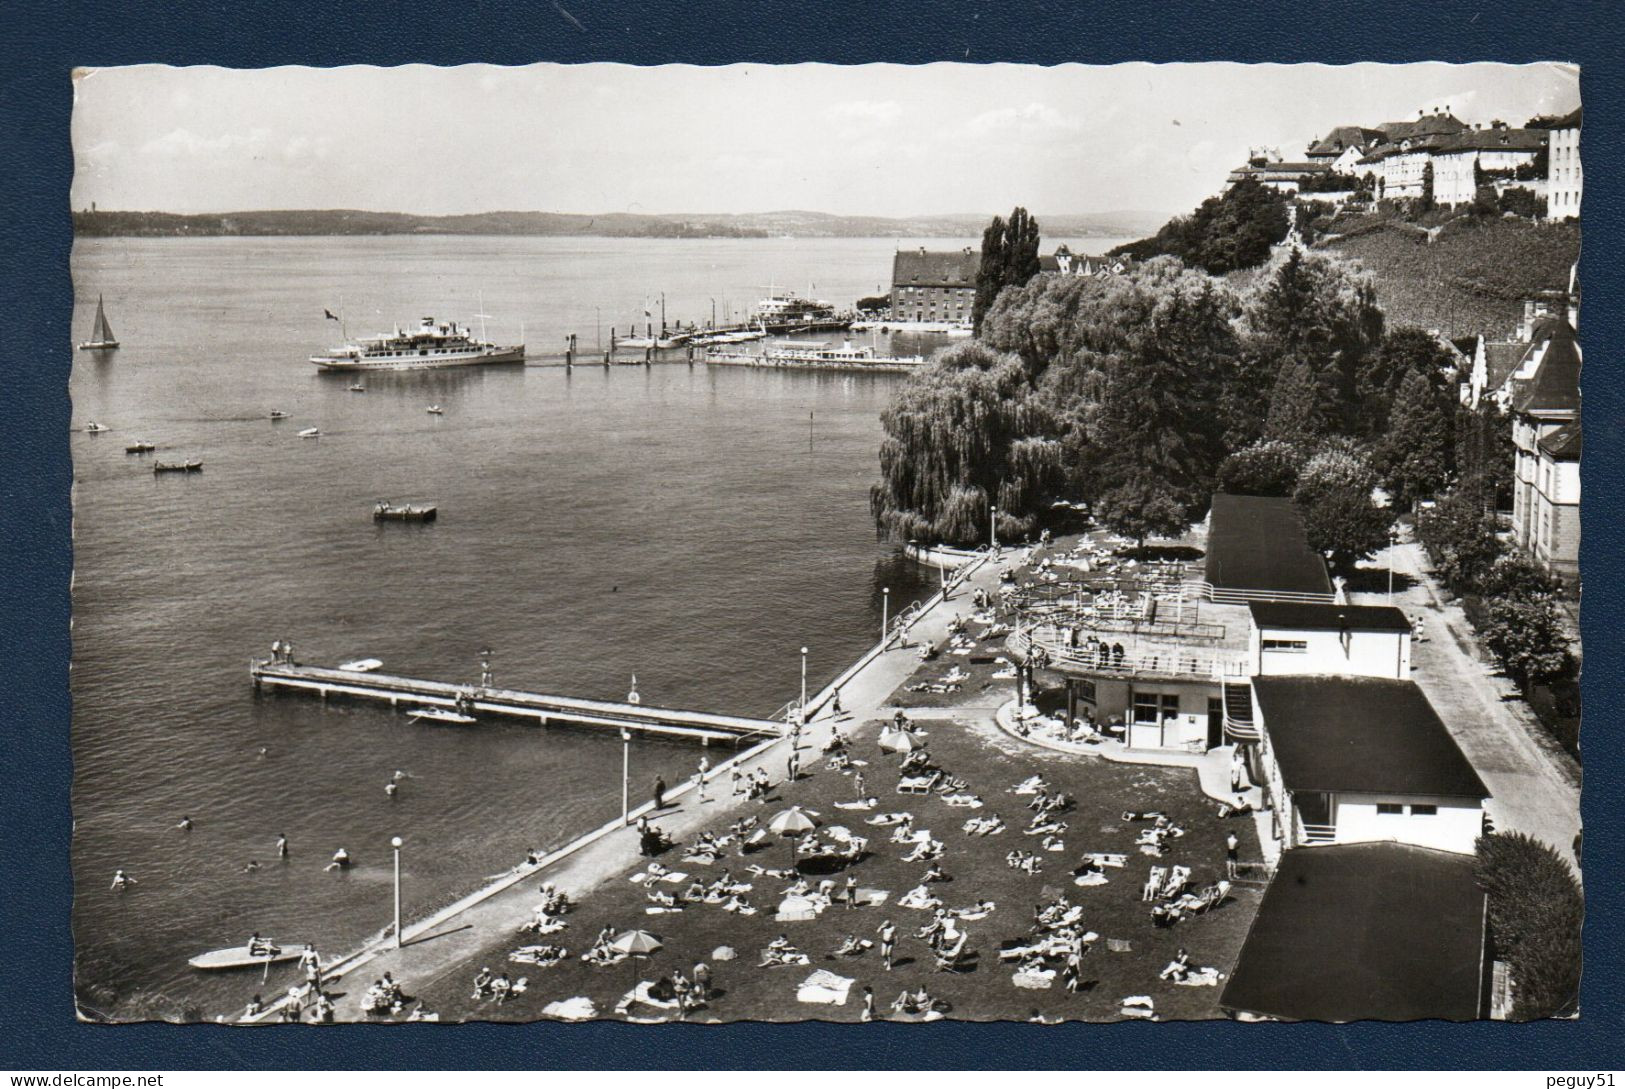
x=1139, y=1006
x=1034, y=980
x=824, y=988
x=1119, y=945
x=873, y=897
x=659, y=910
x=723, y=952
x=1200, y=977
x=1090, y=879
x=579, y=1008
x=867, y=803
x=674, y=878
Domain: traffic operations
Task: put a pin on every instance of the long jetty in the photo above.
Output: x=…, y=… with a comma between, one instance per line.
x=538, y=707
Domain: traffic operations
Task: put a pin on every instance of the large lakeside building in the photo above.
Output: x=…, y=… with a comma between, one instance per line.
x=1547, y=436
x=1263, y=652
x=934, y=286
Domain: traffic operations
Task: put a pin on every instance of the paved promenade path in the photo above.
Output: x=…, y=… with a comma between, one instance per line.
x=431, y=953
x=1534, y=783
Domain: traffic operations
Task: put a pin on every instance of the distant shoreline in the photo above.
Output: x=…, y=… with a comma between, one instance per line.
x=345, y=222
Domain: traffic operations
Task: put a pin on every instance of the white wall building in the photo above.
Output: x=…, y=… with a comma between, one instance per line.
x=1291, y=639
x=1563, y=169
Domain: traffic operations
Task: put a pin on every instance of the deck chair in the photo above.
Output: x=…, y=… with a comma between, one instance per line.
x=1178, y=878
x=919, y=784
x=1153, y=883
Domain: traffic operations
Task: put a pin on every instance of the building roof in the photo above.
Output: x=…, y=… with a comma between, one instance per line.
x=1501, y=358
x=1361, y=735
x=1365, y=931
x=1570, y=120
x=1564, y=443
x=1492, y=140
x=953, y=268
x=1555, y=386
x=1433, y=124
x=1257, y=543
x=1278, y=615
x=1342, y=138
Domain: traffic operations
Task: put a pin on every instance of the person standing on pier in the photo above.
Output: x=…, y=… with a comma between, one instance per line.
x=705, y=768
x=734, y=780
x=660, y=793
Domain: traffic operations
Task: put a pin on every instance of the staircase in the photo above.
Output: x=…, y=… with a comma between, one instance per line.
x=1238, y=713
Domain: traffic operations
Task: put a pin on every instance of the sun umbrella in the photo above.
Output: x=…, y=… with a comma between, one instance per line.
x=900, y=741
x=791, y=823
x=636, y=943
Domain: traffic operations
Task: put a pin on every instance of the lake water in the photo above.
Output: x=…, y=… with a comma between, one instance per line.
x=692, y=526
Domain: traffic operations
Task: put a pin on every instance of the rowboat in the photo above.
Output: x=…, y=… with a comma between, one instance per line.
x=95, y=428
x=310, y=433
x=193, y=466
x=358, y=388
x=361, y=665
x=278, y=414
x=440, y=714
x=406, y=512
x=238, y=956
x=140, y=448
x=436, y=410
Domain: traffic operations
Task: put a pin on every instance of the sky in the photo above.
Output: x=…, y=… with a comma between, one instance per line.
x=886, y=140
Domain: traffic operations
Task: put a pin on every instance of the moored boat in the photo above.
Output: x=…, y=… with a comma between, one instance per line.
x=101, y=337
x=95, y=428
x=436, y=410
x=358, y=388
x=278, y=414
x=361, y=665
x=310, y=433
x=193, y=466
x=140, y=448
x=440, y=714
x=385, y=511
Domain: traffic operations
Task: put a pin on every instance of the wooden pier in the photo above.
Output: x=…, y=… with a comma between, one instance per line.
x=483, y=699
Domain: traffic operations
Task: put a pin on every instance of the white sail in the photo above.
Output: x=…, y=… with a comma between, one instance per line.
x=103, y=333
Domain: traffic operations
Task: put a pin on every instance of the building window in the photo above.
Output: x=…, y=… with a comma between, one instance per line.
x=1145, y=707
x=1287, y=646
x=1390, y=809
x=1424, y=810
x=1086, y=691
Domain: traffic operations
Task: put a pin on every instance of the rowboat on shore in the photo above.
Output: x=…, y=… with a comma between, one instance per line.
x=238, y=956
x=440, y=715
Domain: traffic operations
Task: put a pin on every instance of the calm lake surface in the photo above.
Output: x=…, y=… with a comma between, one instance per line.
x=692, y=526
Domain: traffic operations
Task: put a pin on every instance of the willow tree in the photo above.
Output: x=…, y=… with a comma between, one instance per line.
x=962, y=437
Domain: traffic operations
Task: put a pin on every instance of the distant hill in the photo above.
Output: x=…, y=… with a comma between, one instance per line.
x=793, y=224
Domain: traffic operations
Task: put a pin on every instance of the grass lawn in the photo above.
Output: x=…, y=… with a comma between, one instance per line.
x=970, y=746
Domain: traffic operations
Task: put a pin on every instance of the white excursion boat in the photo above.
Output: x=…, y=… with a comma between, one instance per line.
x=431, y=344
x=101, y=337
x=440, y=714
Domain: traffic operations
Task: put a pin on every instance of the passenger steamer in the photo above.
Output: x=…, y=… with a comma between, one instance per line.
x=431, y=344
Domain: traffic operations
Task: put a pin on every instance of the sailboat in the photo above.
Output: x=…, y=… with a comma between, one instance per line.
x=101, y=338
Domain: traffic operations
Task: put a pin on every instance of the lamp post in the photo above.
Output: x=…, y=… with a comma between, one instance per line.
x=993, y=528
x=1393, y=542
x=804, y=680
x=885, y=614
x=626, y=775
x=396, y=844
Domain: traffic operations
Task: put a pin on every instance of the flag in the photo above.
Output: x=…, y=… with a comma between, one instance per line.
x=330, y=315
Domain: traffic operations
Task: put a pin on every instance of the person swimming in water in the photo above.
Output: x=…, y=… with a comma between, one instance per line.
x=185, y=824
x=122, y=880
x=265, y=750
x=341, y=860
x=399, y=775
x=251, y=867
x=391, y=789
x=281, y=846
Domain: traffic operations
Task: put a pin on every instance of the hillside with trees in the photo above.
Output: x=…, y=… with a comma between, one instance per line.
x=1233, y=231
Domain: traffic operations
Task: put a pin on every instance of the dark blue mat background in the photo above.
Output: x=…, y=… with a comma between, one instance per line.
x=44, y=40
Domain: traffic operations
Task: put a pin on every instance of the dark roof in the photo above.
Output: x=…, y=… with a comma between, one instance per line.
x=1493, y=140
x=1257, y=543
x=954, y=268
x=1564, y=443
x=1343, y=137
x=1433, y=124
x=1310, y=617
x=1365, y=931
x=1361, y=735
x=1570, y=120
x=1501, y=358
x=1555, y=387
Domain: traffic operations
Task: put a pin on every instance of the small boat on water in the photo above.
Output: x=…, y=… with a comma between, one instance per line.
x=238, y=956
x=193, y=466
x=95, y=428
x=278, y=414
x=101, y=337
x=358, y=388
x=442, y=715
x=386, y=511
x=310, y=433
x=436, y=410
x=361, y=665
x=140, y=448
